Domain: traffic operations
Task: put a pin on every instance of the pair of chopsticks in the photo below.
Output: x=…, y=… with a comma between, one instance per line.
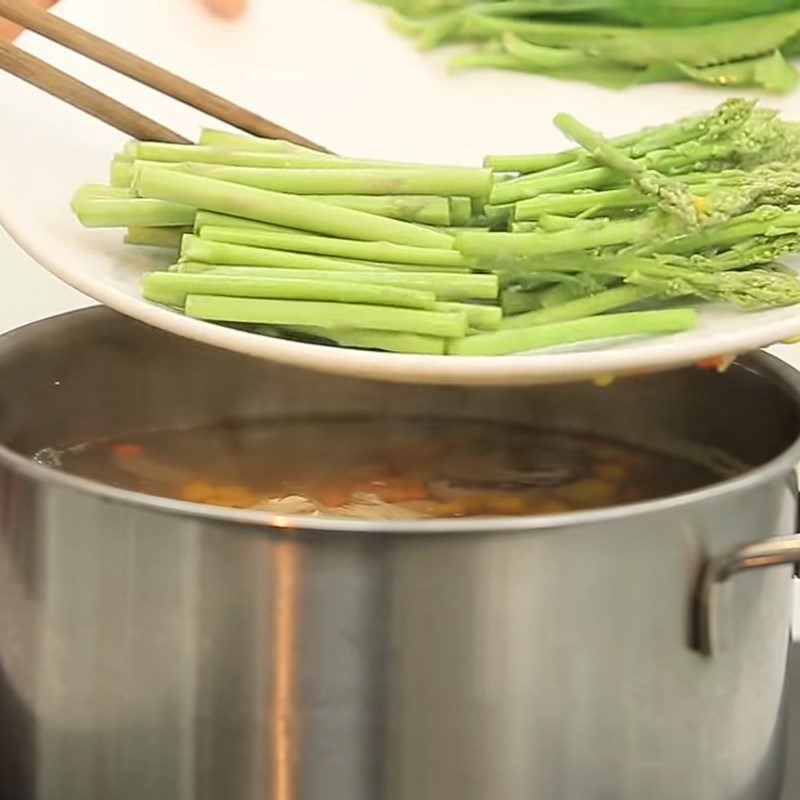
x=23, y=65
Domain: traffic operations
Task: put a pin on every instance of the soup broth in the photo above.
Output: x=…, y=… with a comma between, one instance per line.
x=384, y=469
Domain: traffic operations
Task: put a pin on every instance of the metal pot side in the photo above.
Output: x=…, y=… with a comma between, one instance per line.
x=161, y=650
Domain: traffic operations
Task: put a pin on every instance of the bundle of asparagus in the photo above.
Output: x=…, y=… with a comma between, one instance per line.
x=526, y=252
x=616, y=43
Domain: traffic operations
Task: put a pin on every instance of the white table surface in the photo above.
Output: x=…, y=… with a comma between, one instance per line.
x=32, y=293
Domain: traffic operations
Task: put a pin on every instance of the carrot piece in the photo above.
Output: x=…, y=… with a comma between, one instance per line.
x=334, y=497
x=197, y=492
x=127, y=450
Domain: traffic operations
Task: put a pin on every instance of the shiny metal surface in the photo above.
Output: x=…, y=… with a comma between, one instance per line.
x=158, y=650
x=758, y=555
x=791, y=789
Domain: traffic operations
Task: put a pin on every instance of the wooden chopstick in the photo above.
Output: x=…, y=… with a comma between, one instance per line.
x=30, y=16
x=57, y=83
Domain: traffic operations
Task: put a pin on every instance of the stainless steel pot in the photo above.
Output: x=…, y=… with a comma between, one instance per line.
x=160, y=650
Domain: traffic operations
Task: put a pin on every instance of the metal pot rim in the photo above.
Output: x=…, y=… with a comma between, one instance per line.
x=766, y=365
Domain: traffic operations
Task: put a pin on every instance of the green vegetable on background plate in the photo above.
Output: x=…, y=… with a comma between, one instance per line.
x=616, y=43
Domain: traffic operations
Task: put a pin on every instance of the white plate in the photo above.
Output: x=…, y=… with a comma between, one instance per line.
x=332, y=70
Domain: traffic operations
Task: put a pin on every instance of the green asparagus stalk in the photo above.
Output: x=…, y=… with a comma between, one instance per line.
x=213, y=252
x=461, y=209
x=608, y=326
x=421, y=209
x=435, y=181
x=479, y=317
x=172, y=288
x=326, y=315
x=444, y=285
x=495, y=247
x=99, y=191
x=391, y=341
x=240, y=142
x=590, y=306
x=580, y=203
x=189, y=153
x=139, y=213
x=672, y=195
x=281, y=209
x=207, y=219
x=340, y=248
x=205, y=251
x=156, y=237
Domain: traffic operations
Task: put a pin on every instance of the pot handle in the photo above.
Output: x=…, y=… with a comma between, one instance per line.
x=770, y=553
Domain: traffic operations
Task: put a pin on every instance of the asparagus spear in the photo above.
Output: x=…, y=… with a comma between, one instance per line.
x=281, y=209
x=634, y=323
x=204, y=219
x=220, y=253
x=156, y=237
x=479, y=317
x=436, y=181
x=444, y=285
x=326, y=315
x=186, y=153
x=583, y=307
x=172, y=288
x=422, y=209
x=392, y=341
x=214, y=252
x=341, y=248
x=142, y=213
x=482, y=247
x=211, y=137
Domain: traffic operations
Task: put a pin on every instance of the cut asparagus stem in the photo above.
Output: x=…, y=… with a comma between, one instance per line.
x=209, y=252
x=461, y=210
x=99, y=191
x=212, y=137
x=530, y=163
x=480, y=317
x=281, y=209
x=156, y=237
x=138, y=213
x=580, y=202
x=517, y=301
x=634, y=323
x=172, y=288
x=444, y=285
x=184, y=153
x=410, y=208
x=204, y=250
x=205, y=219
x=583, y=307
x=326, y=315
x=435, y=181
x=544, y=183
x=381, y=340
x=341, y=248
x=121, y=172
x=477, y=246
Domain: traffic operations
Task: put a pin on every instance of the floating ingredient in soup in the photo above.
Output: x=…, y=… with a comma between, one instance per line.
x=384, y=469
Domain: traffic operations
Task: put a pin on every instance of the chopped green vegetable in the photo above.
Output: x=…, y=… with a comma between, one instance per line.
x=531, y=251
x=446, y=324
x=436, y=181
x=341, y=248
x=615, y=43
x=634, y=323
x=281, y=209
x=172, y=288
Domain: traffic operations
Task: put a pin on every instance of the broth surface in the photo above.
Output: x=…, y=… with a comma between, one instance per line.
x=384, y=469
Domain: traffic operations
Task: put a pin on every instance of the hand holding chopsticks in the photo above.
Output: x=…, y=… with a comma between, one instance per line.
x=35, y=71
